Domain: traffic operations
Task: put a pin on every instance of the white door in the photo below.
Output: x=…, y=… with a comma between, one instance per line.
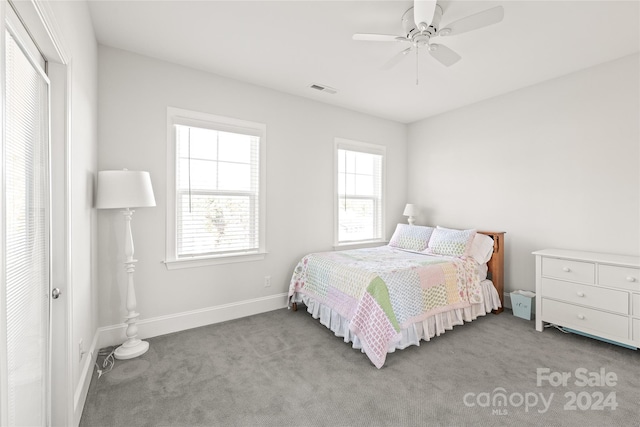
x=26, y=226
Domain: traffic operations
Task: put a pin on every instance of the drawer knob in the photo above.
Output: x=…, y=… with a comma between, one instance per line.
x=631, y=279
x=566, y=269
x=581, y=316
x=580, y=294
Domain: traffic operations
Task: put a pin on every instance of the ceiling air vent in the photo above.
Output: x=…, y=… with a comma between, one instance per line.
x=322, y=88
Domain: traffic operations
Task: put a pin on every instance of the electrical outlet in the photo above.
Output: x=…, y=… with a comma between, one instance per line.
x=267, y=281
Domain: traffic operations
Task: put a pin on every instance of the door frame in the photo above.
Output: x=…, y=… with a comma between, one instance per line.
x=38, y=18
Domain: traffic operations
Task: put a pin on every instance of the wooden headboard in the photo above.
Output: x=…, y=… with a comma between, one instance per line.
x=496, y=265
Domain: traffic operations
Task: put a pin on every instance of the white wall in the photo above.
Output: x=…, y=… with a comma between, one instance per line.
x=554, y=165
x=134, y=92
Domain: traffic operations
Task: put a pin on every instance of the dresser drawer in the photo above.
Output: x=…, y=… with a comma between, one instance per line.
x=620, y=277
x=574, y=271
x=635, y=305
x=591, y=296
x=585, y=319
x=636, y=331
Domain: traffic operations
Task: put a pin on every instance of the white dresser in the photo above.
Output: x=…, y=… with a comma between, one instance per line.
x=593, y=293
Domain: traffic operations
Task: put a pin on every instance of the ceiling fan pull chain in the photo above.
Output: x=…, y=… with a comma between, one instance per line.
x=417, y=60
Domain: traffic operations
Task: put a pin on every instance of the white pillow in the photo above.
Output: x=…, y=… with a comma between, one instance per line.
x=447, y=241
x=411, y=237
x=481, y=248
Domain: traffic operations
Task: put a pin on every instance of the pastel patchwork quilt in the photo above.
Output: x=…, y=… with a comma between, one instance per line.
x=384, y=290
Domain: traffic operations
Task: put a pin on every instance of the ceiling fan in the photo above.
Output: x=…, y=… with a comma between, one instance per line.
x=421, y=23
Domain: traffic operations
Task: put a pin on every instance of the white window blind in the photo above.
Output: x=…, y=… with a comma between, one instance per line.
x=26, y=240
x=217, y=207
x=359, y=192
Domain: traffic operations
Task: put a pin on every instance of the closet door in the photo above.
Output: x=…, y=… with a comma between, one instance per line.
x=26, y=230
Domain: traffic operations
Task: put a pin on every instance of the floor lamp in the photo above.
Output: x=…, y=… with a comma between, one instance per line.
x=125, y=189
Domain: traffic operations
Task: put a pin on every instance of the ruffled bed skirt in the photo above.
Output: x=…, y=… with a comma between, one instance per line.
x=424, y=330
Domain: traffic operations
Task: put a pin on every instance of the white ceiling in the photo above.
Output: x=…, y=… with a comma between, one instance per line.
x=287, y=45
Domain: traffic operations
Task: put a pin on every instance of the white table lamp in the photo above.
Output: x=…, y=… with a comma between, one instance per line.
x=125, y=189
x=411, y=211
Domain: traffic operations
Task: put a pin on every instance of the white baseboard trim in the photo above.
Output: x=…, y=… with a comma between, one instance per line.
x=162, y=325
x=507, y=300
x=82, y=388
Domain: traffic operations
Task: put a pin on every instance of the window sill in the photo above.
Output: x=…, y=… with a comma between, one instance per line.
x=176, y=264
x=358, y=245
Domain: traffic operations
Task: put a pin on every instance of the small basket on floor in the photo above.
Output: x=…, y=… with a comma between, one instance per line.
x=522, y=303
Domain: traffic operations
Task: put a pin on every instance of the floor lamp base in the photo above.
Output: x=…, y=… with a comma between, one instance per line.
x=130, y=350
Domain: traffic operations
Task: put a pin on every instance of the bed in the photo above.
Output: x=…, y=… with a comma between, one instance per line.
x=423, y=283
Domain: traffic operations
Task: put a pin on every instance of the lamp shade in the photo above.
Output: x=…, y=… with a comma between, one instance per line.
x=120, y=189
x=410, y=210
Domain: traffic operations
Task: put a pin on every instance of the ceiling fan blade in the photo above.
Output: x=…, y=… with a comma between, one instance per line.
x=443, y=54
x=423, y=12
x=473, y=22
x=378, y=37
x=395, y=60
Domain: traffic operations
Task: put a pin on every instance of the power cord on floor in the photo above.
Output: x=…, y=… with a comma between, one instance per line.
x=560, y=328
x=107, y=362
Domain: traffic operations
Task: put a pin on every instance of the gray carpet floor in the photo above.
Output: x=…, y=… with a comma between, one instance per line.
x=284, y=368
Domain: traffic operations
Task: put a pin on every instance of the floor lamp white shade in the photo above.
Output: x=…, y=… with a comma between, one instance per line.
x=125, y=189
x=411, y=211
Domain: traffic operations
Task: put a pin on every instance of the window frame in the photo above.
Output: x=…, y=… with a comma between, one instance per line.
x=179, y=116
x=361, y=147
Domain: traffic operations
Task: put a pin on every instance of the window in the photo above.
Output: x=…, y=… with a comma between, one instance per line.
x=216, y=191
x=25, y=217
x=359, y=192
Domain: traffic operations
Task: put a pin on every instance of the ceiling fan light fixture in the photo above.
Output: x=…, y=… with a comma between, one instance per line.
x=444, y=32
